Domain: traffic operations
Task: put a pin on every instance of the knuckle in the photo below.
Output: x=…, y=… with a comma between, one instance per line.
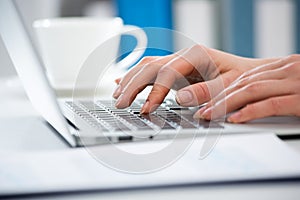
x=293, y=57
x=147, y=59
x=293, y=67
x=241, y=83
x=147, y=68
x=245, y=74
x=227, y=81
x=197, y=47
x=250, y=110
x=253, y=88
x=165, y=70
x=153, y=65
x=201, y=91
x=275, y=106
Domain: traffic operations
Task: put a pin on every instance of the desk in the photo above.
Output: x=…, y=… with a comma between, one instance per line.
x=18, y=127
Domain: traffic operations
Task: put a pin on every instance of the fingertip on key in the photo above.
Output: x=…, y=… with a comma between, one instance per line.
x=121, y=103
x=117, y=92
x=145, y=109
x=203, y=113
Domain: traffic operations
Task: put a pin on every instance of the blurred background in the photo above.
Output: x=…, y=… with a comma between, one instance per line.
x=252, y=28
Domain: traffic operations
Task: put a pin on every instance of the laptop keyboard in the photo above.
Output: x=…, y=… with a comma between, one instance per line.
x=103, y=116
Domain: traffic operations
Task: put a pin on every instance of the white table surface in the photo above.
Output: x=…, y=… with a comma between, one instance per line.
x=18, y=125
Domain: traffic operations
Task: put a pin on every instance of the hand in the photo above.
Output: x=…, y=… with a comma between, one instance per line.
x=208, y=70
x=268, y=90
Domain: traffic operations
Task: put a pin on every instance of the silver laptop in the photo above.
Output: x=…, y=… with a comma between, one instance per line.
x=84, y=122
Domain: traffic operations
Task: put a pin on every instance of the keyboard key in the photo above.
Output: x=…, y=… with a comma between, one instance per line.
x=103, y=115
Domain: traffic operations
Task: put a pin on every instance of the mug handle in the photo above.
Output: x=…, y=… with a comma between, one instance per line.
x=138, y=51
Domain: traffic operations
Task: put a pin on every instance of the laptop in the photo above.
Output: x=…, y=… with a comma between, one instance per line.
x=91, y=122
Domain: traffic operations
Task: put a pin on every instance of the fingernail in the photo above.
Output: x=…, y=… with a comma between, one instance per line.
x=117, y=92
x=200, y=113
x=183, y=97
x=201, y=110
x=206, y=114
x=197, y=115
x=234, y=118
x=145, y=108
x=119, y=101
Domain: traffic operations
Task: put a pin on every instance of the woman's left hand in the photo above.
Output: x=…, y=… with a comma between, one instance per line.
x=268, y=90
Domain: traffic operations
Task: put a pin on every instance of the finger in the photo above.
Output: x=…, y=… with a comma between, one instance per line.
x=275, y=74
x=270, y=66
x=137, y=83
x=126, y=100
x=189, y=61
x=155, y=98
x=200, y=93
x=166, y=77
x=177, y=68
x=283, y=105
x=123, y=81
x=145, y=61
x=251, y=93
x=271, y=74
x=143, y=77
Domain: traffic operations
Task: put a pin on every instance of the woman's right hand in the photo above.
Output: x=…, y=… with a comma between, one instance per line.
x=198, y=73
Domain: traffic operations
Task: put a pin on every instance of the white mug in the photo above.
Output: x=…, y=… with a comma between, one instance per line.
x=66, y=43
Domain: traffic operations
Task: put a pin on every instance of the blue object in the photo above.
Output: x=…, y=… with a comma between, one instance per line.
x=238, y=27
x=147, y=13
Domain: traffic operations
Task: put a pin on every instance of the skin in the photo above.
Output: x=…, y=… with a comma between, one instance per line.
x=226, y=82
